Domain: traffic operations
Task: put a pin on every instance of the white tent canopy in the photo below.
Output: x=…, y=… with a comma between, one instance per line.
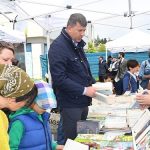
x=134, y=41
x=13, y=36
x=109, y=17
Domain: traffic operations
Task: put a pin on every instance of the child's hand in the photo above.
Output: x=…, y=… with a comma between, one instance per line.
x=60, y=147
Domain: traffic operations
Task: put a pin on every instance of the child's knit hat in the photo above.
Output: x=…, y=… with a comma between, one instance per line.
x=45, y=98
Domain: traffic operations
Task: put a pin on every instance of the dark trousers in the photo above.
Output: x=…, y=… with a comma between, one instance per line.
x=60, y=133
x=119, y=87
x=70, y=116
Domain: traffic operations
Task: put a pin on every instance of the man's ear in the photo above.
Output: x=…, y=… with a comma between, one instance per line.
x=69, y=28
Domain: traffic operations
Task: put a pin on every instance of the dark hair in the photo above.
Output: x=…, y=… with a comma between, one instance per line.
x=15, y=62
x=29, y=97
x=149, y=52
x=122, y=54
x=77, y=17
x=109, y=57
x=132, y=63
x=7, y=45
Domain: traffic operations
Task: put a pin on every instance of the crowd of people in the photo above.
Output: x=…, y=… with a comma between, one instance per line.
x=126, y=75
x=28, y=119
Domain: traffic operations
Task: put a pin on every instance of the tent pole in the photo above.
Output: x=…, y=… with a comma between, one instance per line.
x=48, y=45
x=130, y=14
x=106, y=54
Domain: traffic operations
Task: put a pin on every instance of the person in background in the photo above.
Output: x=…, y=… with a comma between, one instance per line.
x=28, y=129
x=7, y=53
x=144, y=73
x=102, y=69
x=122, y=68
x=130, y=82
x=6, y=57
x=71, y=75
x=109, y=60
x=113, y=68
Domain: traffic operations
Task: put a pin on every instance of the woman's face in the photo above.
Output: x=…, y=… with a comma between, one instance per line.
x=3, y=102
x=6, y=56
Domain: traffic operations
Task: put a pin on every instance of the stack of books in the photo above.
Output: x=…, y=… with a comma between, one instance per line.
x=141, y=132
x=111, y=141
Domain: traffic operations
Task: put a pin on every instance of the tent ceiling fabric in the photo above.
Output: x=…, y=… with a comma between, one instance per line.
x=135, y=40
x=13, y=36
x=106, y=15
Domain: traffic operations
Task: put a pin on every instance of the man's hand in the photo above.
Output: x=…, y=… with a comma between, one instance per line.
x=90, y=91
x=143, y=99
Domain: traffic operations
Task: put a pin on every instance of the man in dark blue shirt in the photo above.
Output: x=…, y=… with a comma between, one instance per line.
x=71, y=75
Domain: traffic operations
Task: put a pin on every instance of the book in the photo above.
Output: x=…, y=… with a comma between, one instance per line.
x=145, y=130
x=141, y=123
x=103, y=86
x=141, y=131
x=88, y=126
x=104, y=98
x=115, y=122
x=120, y=142
x=74, y=145
x=144, y=143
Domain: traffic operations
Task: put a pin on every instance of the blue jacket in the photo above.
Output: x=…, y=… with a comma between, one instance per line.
x=70, y=72
x=36, y=137
x=129, y=83
x=144, y=70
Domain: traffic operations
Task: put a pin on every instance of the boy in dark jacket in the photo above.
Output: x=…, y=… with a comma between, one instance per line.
x=130, y=82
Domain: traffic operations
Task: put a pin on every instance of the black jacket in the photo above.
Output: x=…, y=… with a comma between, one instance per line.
x=70, y=72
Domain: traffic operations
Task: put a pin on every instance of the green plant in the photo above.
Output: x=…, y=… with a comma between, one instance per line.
x=91, y=48
x=101, y=48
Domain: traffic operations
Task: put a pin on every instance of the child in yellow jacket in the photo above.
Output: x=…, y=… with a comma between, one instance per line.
x=4, y=141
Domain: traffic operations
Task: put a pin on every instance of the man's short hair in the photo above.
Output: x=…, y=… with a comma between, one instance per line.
x=7, y=45
x=101, y=57
x=77, y=17
x=122, y=54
